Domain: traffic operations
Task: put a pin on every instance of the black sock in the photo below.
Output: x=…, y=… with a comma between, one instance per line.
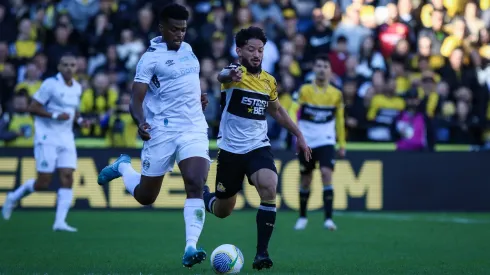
x=304, y=195
x=266, y=218
x=328, y=201
x=209, y=200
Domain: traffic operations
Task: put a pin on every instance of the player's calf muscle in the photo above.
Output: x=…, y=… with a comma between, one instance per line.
x=224, y=207
x=306, y=181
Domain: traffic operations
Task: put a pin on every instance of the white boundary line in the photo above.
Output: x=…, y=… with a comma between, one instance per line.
x=444, y=217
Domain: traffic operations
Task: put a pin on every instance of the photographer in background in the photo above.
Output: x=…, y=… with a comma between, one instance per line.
x=17, y=127
x=411, y=129
x=122, y=131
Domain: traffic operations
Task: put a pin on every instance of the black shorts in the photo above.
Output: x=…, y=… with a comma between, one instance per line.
x=232, y=169
x=325, y=155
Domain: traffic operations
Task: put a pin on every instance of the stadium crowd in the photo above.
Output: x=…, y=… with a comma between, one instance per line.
x=379, y=50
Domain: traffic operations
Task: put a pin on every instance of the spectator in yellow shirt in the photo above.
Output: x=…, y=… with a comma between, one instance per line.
x=122, y=131
x=97, y=103
x=17, y=127
x=32, y=81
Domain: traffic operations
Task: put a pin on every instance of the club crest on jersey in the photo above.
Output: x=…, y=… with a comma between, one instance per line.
x=220, y=187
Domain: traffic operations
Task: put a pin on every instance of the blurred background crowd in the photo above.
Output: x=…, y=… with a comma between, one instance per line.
x=379, y=50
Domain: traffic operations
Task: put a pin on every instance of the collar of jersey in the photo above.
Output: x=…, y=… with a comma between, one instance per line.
x=159, y=43
x=59, y=77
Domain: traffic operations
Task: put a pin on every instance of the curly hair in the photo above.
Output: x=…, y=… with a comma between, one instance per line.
x=244, y=35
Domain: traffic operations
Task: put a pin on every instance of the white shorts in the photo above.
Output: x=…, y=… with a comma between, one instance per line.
x=49, y=157
x=164, y=148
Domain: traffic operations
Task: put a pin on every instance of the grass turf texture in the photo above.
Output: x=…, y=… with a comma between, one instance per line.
x=146, y=242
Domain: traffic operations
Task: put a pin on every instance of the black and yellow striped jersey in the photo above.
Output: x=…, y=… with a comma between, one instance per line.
x=384, y=109
x=243, y=126
x=321, y=115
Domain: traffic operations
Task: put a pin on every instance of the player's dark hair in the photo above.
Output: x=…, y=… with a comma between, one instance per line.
x=322, y=57
x=67, y=54
x=244, y=35
x=342, y=39
x=22, y=93
x=174, y=11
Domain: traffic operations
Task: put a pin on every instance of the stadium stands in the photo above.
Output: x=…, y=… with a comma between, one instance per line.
x=376, y=47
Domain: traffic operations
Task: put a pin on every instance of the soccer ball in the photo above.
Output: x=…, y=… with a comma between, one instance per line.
x=227, y=259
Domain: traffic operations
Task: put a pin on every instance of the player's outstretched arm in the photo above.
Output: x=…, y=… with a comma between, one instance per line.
x=229, y=74
x=281, y=116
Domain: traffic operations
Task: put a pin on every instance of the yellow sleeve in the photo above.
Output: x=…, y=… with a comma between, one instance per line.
x=273, y=93
x=86, y=103
x=113, y=96
x=488, y=110
x=293, y=111
x=425, y=15
x=225, y=86
x=432, y=102
x=339, y=122
x=296, y=105
x=19, y=86
x=448, y=45
x=301, y=96
x=373, y=109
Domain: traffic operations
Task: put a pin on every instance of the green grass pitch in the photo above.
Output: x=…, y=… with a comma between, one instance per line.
x=152, y=242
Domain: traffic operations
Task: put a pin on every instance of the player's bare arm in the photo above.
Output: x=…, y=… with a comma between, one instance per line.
x=37, y=109
x=204, y=100
x=136, y=109
x=281, y=116
x=228, y=75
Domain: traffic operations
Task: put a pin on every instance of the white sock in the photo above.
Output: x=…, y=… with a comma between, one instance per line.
x=65, y=196
x=24, y=190
x=194, y=216
x=130, y=177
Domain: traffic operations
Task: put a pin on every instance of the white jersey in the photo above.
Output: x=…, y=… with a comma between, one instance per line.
x=173, y=99
x=57, y=97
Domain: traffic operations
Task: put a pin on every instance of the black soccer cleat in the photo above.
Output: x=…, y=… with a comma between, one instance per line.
x=262, y=261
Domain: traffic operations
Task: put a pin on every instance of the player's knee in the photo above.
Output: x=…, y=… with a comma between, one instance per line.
x=223, y=212
x=194, y=185
x=306, y=181
x=146, y=200
x=66, y=180
x=268, y=191
x=326, y=175
x=42, y=182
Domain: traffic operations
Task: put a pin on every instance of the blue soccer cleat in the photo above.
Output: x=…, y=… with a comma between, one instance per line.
x=193, y=256
x=111, y=171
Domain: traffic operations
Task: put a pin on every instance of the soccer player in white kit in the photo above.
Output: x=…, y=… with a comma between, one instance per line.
x=166, y=105
x=55, y=107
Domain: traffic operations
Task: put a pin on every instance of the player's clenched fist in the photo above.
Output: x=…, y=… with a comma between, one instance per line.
x=143, y=131
x=236, y=75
